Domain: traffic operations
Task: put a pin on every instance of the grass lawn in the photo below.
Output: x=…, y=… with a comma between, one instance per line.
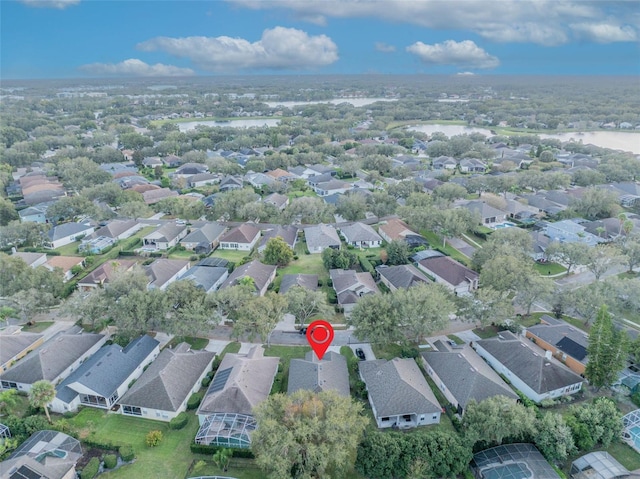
x=387, y=351
x=230, y=348
x=578, y=323
x=70, y=249
x=625, y=455
x=230, y=255
x=486, y=332
x=37, y=327
x=455, y=339
x=170, y=460
x=549, y=268
x=286, y=354
x=306, y=263
x=299, y=194
x=195, y=343
x=528, y=321
x=238, y=468
x=436, y=243
x=186, y=254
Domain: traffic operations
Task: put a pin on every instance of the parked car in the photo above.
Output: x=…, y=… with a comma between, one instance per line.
x=360, y=354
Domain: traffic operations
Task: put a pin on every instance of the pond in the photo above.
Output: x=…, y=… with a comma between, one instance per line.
x=616, y=140
x=357, y=102
x=248, y=123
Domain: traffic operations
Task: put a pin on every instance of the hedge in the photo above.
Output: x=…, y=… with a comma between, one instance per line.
x=194, y=401
x=366, y=265
x=110, y=461
x=206, y=381
x=127, y=453
x=179, y=421
x=91, y=469
x=210, y=450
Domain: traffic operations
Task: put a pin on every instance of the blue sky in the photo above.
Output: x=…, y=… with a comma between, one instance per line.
x=98, y=38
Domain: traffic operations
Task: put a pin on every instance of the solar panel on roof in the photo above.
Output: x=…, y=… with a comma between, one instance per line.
x=220, y=380
x=25, y=473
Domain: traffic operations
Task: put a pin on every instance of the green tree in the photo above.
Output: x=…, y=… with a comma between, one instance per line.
x=376, y=318
x=135, y=210
x=423, y=309
x=497, y=418
x=259, y=316
x=305, y=303
x=351, y=207
x=277, y=252
x=222, y=457
x=398, y=252
x=533, y=288
x=153, y=438
x=8, y=399
x=7, y=212
x=41, y=394
x=227, y=302
x=71, y=208
x=553, y=437
x=598, y=422
x=507, y=273
x=607, y=351
x=597, y=203
x=307, y=435
x=504, y=242
x=448, y=192
x=79, y=173
x=600, y=259
x=486, y=306
x=570, y=254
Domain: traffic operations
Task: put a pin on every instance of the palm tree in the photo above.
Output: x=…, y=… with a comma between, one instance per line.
x=222, y=457
x=41, y=394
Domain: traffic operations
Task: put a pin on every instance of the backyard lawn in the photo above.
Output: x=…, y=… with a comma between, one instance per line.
x=37, y=327
x=230, y=255
x=195, y=343
x=436, y=243
x=547, y=269
x=70, y=249
x=306, y=263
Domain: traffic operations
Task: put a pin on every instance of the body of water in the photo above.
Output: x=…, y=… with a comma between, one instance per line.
x=190, y=125
x=357, y=102
x=616, y=140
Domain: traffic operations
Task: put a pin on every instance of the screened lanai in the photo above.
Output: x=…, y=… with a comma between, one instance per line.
x=226, y=429
x=631, y=432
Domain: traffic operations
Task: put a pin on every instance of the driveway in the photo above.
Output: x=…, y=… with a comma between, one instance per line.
x=366, y=348
x=462, y=246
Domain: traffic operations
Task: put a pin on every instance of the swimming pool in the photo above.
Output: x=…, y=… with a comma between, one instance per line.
x=633, y=436
x=506, y=224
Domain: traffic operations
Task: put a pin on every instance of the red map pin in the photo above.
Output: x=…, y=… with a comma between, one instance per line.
x=320, y=335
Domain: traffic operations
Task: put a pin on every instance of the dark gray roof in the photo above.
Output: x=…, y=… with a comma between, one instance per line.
x=426, y=253
x=565, y=337
x=484, y=210
x=402, y=276
x=449, y=269
x=538, y=372
x=13, y=344
x=397, y=387
x=213, y=261
x=52, y=358
x=316, y=375
x=359, y=232
x=255, y=269
x=288, y=233
x=321, y=235
x=108, y=368
x=205, y=277
x=208, y=233
x=167, y=232
x=464, y=381
x=245, y=233
x=309, y=281
x=162, y=270
x=169, y=380
x=66, y=229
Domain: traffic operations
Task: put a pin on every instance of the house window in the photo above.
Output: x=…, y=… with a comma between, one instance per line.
x=385, y=419
x=114, y=398
x=132, y=410
x=91, y=400
x=434, y=417
x=407, y=417
x=9, y=385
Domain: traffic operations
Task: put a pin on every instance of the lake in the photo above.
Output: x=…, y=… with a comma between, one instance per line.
x=191, y=125
x=616, y=140
x=357, y=102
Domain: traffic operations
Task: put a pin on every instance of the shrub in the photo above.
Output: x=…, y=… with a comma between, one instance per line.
x=179, y=421
x=295, y=256
x=91, y=469
x=194, y=257
x=210, y=450
x=127, y=453
x=194, y=401
x=110, y=461
x=366, y=265
x=206, y=381
x=153, y=438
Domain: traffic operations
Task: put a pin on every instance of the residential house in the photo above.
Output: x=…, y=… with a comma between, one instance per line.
x=308, y=281
x=15, y=344
x=331, y=187
x=288, y=233
x=202, y=179
x=281, y=175
x=399, y=394
x=396, y=229
x=116, y=230
x=208, y=235
x=455, y=276
x=66, y=264
x=230, y=183
x=242, y=238
x=567, y=344
x=351, y=286
x=315, y=180
x=240, y=384
x=32, y=259
x=529, y=369
x=277, y=200
x=258, y=180
x=472, y=165
x=46, y=454
x=487, y=214
x=321, y=237
x=312, y=170
x=66, y=233
x=261, y=274
x=101, y=276
x=190, y=169
x=607, y=229
x=162, y=272
x=400, y=277
x=544, y=205
x=52, y=361
x=152, y=161
x=312, y=374
x=540, y=244
x=462, y=376
x=103, y=378
x=172, y=161
x=444, y=163
x=35, y=214
x=568, y=231
x=164, y=388
x=208, y=274
x=151, y=197
x=165, y=237
x=361, y=235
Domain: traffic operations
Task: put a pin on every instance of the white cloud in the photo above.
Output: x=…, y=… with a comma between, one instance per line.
x=464, y=54
x=544, y=22
x=59, y=4
x=383, y=47
x=465, y=74
x=135, y=67
x=604, y=32
x=279, y=48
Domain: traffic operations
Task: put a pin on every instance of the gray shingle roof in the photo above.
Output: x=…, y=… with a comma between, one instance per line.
x=309, y=281
x=205, y=276
x=162, y=270
x=108, y=368
x=255, y=269
x=169, y=380
x=13, y=344
x=539, y=373
x=465, y=381
x=167, y=232
x=321, y=236
x=245, y=233
x=208, y=233
x=564, y=337
x=66, y=229
x=398, y=387
x=312, y=374
x=114, y=228
x=360, y=232
x=52, y=358
x=449, y=269
x=402, y=276
x=288, y=233
x=248, y=383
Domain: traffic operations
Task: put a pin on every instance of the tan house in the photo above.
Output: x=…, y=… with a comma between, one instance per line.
x=66, y=265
